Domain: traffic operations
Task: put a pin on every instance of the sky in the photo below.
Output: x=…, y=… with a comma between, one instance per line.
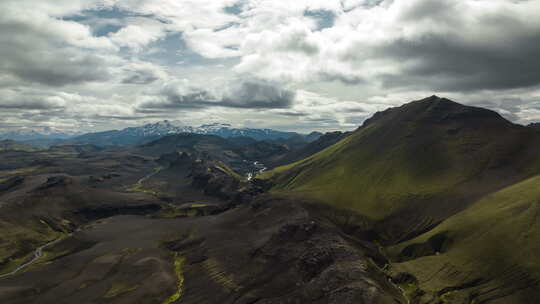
x=90, y=65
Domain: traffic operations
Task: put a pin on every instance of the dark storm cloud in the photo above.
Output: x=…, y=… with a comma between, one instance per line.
x=55, y=71
x=28, y=105
x=259, y=94
x=445, y=63
x=249, y=94
x=499, y=52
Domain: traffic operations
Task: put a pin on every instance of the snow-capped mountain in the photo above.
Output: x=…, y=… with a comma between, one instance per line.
x=161, y=128
x=226, y=131
x=152, y=131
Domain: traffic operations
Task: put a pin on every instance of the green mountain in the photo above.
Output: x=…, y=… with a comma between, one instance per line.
x=450, y=190
x=304, y=151
x=428, y=159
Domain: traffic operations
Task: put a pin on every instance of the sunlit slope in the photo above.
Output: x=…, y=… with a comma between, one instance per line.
x=430, y=158
x=490, y=250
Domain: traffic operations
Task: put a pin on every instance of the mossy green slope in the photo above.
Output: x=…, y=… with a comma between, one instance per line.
x=491, y=250
x=431, y=157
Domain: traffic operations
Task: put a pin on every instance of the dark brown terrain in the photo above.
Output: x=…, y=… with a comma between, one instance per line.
x=181, y=227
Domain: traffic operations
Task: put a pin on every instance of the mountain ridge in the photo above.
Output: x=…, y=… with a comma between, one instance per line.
x=150, y=132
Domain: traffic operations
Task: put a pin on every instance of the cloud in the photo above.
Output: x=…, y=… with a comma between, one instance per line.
x=29, y=100
x=492, y=46
x=451, y=45
x=242, y=94
x=143, y=73
x=99, y=62
x=324, y=18
x=38, y=48
x=139, y=33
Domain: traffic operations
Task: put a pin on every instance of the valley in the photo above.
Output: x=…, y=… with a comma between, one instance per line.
x=430, y=202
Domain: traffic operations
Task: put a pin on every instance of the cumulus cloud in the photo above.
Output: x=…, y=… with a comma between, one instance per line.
x=442, y=45
x=247, y=94
x=42, y=49
x=29, y=100
x=139, y=33
x=341, y=60
x=491, y=46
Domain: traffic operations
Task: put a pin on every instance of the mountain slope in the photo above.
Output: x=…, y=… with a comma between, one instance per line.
x=493, y=246
x=304, y=151
x=408, y=168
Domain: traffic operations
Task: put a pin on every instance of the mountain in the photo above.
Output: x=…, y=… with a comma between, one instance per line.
x=434, y=154
x=535, y=126
x=25, y=134
x=449, y=190
x=226, y=131
x=150, y=132
x=313, y=136
x=130, y=136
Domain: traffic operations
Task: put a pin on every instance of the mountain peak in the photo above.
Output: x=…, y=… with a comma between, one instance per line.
x=432, y=98
x=440, y=110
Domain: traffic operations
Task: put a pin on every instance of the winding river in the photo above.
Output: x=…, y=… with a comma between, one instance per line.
x=38, y=253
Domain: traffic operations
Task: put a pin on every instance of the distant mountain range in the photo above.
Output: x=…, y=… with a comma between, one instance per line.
x=150, y=132
x=39, y=133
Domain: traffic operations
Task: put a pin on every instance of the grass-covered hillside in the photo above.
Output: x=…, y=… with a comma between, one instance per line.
x=452, y=191
x=485, y=254
x=412, y=166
